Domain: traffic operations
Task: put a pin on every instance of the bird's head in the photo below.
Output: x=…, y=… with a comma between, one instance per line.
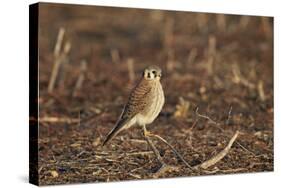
x=152, y=73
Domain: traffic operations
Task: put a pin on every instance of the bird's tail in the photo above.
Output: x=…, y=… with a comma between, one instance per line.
x=115, y=131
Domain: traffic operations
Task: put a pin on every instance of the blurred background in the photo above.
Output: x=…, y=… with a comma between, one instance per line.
x=216, y=65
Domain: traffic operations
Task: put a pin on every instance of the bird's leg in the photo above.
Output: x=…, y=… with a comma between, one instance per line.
x=170, y=146
x=146, y=135
x=174, y=150
x=146, y=132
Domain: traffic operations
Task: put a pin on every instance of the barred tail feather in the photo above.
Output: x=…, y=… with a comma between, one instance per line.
x=115, y=130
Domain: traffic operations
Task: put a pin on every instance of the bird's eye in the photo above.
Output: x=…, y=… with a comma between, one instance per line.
x=154, y=72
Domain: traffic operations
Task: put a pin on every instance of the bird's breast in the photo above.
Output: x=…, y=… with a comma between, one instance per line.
x=154, y=107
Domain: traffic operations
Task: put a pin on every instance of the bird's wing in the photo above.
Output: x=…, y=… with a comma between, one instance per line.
x=136, y=103
x=138, y=100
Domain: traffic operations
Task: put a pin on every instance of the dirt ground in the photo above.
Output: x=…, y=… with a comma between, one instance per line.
x=220, y=66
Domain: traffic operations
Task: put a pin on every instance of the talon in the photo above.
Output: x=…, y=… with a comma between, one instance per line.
x=147, y=133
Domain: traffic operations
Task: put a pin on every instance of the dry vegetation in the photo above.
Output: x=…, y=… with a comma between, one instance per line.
x=217, y=78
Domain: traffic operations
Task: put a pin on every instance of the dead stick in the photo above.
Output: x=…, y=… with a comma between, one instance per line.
x=58, y=120
x=140, y=153
x=220, y=155
x=229, y=115
x=173, y=149
x=238, y=78
x=57, y=61
x=81, y=78
x=261, y=91
x=54, y=75
x=206, y=117
x=131, y=70
x=59, y=42
x=152, y=146
x=64, y=62
x=115, y=55
x=155, y=151
x=212, y=45
x=244, y=148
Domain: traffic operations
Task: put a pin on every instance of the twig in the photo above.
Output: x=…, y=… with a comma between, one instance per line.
x=210, y=65
x=140, y=153
x=59, y=59
x=193, y=125
x=137, y=141
x=233, y=170
x=238, y=78
x=152, y=146
x=130, y=63
x=64, y=62
x=79, y=154
x=81, y=78
x=212, y=45
x=206, y=117
x=135, y=176
x=244, y=148
x=58, y=120
x=54, y=74
x=229, y=115
x=239, y=144
x=66, y=48
x=220, y=155
x=155, y=151
x=59, y=42
x=189, y=134
x=261, y=91
x=224, y=171
x=174, y=150
x=112, y=160
x=115, y=57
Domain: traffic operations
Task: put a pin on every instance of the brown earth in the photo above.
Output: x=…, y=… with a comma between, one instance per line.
x=221, y=65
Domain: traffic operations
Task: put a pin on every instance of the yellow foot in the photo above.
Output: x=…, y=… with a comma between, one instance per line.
x=147, y=133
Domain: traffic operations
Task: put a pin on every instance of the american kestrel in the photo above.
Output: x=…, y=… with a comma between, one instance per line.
x=144, y=104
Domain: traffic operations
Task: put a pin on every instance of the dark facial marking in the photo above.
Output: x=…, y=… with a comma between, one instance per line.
x=148, y=75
